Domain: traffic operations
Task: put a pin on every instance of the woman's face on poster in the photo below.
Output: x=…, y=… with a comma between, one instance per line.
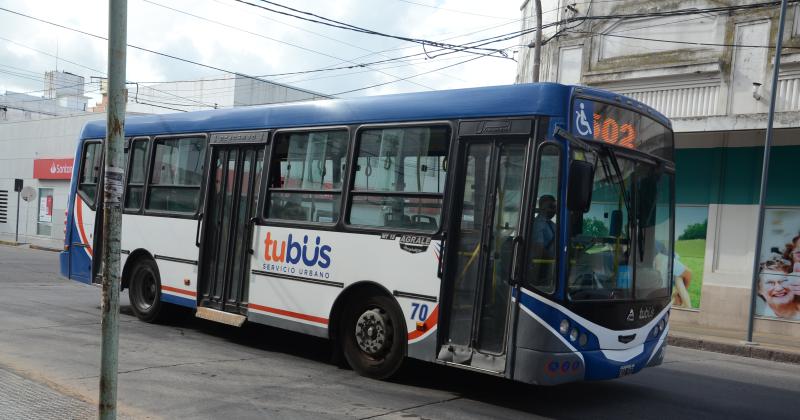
x=773, y=287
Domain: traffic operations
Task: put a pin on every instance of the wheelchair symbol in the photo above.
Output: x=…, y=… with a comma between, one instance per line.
x=582, y=123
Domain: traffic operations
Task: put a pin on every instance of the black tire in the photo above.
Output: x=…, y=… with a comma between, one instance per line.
x=378, y=352
x=144, y=291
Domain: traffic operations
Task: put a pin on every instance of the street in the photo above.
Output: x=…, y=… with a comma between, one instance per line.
x=190, y=368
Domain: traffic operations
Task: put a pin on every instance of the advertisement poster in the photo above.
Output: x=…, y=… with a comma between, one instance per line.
x=779, y=269
x=691, y=225
x=46, y=208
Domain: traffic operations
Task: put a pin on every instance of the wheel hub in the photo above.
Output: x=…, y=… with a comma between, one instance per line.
x=372, y=332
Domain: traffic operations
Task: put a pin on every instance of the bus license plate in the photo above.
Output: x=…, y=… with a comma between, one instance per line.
x=626, y=370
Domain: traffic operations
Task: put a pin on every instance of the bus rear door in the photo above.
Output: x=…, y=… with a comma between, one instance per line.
x=227, y=225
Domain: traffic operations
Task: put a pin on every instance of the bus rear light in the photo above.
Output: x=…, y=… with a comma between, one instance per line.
x=66, y=247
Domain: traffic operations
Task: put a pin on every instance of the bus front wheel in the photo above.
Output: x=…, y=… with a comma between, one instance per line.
x=144, y=291
x=373, y=336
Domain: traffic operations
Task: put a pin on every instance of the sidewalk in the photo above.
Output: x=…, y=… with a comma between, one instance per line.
x=33, y=242
x=768, y=346
x=21, y=398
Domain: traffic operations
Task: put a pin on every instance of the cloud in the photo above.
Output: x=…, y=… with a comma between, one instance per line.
x=285, y=45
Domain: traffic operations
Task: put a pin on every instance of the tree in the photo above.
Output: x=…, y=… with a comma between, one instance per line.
x=695, y=231
x=594, y=227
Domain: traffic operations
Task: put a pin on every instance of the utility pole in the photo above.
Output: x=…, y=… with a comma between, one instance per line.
x=537, y=47
x=765, y=172
x=112, y=207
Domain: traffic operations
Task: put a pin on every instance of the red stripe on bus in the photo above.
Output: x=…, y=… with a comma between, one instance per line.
x=181, y=291
x=84, y=238
x=429, y=323
x=289, y=313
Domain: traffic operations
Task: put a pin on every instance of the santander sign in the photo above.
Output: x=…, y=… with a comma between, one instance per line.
x=53, y=168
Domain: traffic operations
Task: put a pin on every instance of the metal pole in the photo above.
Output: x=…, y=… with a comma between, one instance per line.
x=765, y=172
x=537, y=49
x=16, y=232
x=112, y=208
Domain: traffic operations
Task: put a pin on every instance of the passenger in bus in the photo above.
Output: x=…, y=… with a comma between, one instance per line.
x=543, y=242
x=544, y=229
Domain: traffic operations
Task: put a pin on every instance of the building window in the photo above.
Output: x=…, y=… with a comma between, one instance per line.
x=305, y=182
x=569, y=65
x=90, y=172
x=400, y=178
x=177, y=174
x=137, y=171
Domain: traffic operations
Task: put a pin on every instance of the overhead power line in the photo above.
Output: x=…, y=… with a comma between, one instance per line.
x=185, y=60
x=216, y=22
x=315, y=18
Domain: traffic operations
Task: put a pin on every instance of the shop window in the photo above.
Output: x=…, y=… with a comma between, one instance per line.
x=177, y=173
x=306, y=174
x=44, y=223
x=400, y=174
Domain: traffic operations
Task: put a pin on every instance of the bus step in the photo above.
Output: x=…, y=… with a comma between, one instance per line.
x=220, y=316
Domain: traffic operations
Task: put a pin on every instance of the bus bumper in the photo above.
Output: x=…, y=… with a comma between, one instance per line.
x=548, y=368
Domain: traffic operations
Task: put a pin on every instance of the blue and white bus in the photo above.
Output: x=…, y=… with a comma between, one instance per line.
x=522, y=231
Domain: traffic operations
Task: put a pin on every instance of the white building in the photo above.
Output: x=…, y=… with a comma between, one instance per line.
x=38, y=136
x=710, y=72
x=224, y=91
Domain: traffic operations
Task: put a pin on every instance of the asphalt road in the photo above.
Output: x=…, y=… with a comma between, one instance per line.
x=190, y=368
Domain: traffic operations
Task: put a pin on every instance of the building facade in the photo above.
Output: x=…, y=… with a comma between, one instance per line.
x=707, y=65
x=38, y=138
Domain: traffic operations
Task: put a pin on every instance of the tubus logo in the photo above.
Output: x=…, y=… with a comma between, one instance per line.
x=292, y=252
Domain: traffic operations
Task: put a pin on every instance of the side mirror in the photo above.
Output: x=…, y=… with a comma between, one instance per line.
x=579, y=191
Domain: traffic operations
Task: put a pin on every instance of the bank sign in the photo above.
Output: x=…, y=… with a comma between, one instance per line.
x=53, y=168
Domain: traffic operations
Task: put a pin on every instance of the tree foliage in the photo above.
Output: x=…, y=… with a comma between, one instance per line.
x=695, y=231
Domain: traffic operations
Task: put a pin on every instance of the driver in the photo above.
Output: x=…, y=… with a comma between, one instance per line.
x=544, y=229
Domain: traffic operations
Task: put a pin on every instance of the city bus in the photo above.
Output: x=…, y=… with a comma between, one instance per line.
x=521, y=231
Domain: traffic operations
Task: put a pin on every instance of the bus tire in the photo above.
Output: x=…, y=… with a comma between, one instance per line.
x=144, y=291
x=372, y=335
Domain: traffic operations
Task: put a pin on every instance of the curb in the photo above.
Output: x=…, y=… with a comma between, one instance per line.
x=11, y=243
x=43, y=248
x=744, y=350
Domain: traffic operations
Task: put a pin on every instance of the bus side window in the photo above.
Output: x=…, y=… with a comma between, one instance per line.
x=134, y=192
x=305, y=180
x=90, y=172
x=400, y=174
x=177, y=174
x=542, y=252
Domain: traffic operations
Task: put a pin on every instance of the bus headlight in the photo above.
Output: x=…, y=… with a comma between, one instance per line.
x=583, y=340
x=573, y=335
x=564, y=326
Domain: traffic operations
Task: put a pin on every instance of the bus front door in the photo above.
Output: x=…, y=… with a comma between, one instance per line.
x=480, y=252
x=228, y=217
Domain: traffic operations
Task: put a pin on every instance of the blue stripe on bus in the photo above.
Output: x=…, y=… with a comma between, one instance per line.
x=177, y=300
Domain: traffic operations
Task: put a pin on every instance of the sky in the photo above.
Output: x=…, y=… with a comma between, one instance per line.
x=233, y=36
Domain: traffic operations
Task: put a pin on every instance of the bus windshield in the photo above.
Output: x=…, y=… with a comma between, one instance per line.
x=620, y=249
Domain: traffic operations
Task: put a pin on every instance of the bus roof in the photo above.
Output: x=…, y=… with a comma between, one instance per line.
x=546, y=99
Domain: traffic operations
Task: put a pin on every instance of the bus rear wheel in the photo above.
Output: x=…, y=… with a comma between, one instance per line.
x=373, y=337
x=144, y=291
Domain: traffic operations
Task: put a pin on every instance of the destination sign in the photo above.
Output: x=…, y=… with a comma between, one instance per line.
x=619, y=126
